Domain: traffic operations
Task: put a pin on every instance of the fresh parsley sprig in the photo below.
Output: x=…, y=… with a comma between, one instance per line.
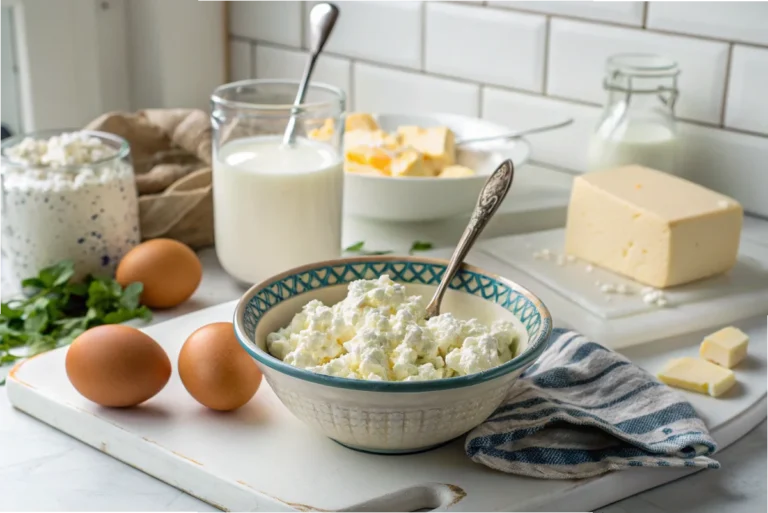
x=54, y=311
x=359, y=248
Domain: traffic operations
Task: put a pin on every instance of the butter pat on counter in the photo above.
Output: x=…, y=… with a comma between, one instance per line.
x=697, y=375
x=652, y=227
x=726, y=347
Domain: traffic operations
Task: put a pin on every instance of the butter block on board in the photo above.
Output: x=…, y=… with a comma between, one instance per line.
x=652, y=227
x=697, y=375
x=726, y=347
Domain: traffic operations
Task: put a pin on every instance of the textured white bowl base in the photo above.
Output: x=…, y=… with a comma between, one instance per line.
x=262, y=458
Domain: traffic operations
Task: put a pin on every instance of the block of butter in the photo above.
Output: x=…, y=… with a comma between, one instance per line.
x=456, y=171
x=436, y=143
x=354, y=138
x=409, y=163
x=697, y=375
x=372, y=156
x=360, y=121
x=653, y=227
x=726, y=347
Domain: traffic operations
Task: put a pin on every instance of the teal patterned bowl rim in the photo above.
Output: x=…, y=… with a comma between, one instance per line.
x=260, y=298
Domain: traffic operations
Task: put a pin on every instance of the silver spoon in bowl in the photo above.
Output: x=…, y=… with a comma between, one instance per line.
x=493, y=193
x=322, y=18
x=514, y=135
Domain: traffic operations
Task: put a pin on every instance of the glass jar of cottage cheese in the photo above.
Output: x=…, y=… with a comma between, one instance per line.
x=67, y=196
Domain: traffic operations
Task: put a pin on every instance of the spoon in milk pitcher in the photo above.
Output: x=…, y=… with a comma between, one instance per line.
x=493, y=193
x=322, y=18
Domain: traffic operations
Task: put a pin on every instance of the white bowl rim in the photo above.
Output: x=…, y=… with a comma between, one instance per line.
x=518, y=140
x=532, y=351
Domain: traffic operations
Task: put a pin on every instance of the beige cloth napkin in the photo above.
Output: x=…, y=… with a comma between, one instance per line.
x=171, y=152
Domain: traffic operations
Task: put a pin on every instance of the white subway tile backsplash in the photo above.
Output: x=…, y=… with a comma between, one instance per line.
x=734, y=21
x=729, y=162
x=566, y=147
x=747, y=103
x=475, y=2
x=239, y=60
x=578, y=51
x=275, y=22
x=466, y=58
x=387, y=32
x=271, y=62
x=630, y=13
x=380, y=89
x=495, y=47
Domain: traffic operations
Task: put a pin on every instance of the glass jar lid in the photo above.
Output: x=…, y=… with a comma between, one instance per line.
x=642, y=65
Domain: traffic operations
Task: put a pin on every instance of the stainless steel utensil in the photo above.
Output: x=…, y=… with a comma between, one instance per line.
x=493, y=193
x=514, y=135
x=322, y=18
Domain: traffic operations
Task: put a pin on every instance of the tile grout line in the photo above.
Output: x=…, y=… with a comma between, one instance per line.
x=646, y=6
x=572, y=101
x=251, y=60
x=423, y=38
x=726, y=86
x=545, y=70
x=303, y=13
x=480, y=95
x=352, y=96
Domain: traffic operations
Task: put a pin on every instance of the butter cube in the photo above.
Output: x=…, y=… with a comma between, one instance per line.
x=410, y=163
x=372, y=156
x=324, y=133
x=355, y=138
x=360, y=169
x=456, y=171
x=653, y=227
x=437, y=144
x=697, y=375
x=360, y=121
x=726, y=347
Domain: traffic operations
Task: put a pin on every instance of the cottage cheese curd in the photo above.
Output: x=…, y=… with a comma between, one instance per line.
x=378, y=332
x=70, y=196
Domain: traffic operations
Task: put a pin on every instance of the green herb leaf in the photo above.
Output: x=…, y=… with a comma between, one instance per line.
x=359, y=249
x=357, y=246
x=419, y=246
x=55, y=311
x=130, y=297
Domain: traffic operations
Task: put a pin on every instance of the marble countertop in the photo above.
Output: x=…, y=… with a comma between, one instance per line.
x=42, y=469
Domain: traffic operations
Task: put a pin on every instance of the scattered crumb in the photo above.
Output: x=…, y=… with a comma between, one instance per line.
x=589, y=268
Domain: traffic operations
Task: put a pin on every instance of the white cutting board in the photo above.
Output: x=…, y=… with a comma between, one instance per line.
x=262, y=458
x=575, y=301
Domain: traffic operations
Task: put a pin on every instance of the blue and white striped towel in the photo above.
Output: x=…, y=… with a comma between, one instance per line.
x=583, y=410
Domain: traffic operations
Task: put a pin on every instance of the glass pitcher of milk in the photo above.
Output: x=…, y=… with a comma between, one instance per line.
x=638, y=121
x=276, y=206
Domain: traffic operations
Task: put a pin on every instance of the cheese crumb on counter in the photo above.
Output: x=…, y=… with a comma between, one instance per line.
x=697, y=375
x=726, y=347
x=378, y=332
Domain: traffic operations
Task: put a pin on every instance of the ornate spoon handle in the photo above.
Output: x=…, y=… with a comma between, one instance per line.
x=493, y=193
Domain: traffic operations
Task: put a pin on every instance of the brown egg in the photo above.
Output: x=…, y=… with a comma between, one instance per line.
x=169, y=270
x=215, y=370
x=116, y=365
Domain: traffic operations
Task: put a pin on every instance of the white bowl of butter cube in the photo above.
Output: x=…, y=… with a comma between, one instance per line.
x=407, y=167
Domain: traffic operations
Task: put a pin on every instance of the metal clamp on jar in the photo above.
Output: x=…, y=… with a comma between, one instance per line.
x=638, y=122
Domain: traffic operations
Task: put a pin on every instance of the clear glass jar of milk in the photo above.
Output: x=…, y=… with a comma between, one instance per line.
x=638, y=122
x=276, y=206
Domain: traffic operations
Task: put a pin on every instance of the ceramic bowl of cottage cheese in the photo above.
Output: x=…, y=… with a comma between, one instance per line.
x=344, y=345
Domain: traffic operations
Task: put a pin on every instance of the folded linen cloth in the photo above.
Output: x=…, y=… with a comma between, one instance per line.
x=583, y=410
